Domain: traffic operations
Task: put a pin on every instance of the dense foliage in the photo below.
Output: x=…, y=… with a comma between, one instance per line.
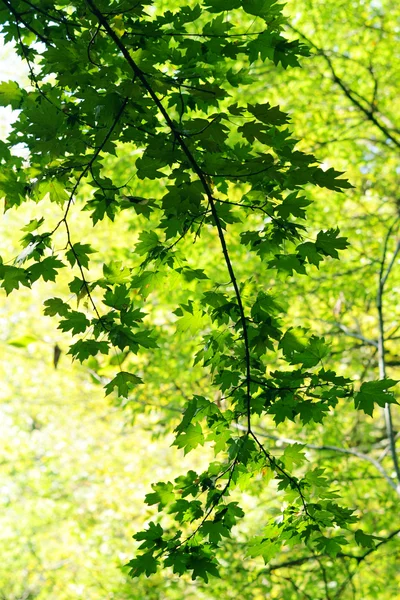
x=202, y=287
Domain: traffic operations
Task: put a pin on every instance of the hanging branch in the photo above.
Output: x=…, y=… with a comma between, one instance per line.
x=96, y=85
x=383, y=277
x=137, y=72
x=350, y=94
x=328, y=448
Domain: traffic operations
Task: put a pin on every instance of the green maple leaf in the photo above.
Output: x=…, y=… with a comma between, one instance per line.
x=222, y=5
x=203, y=567
x=242, y=447
x=57, y=192
x=151, y=536
x=293, y=205
x=148, y=241
x=251, y=131
x=192, y=321
x=117, y=298
x=220, y=437
x=163, y=494
x=115, y=272
x=286, y=52
x=364, y=539
x=123, y=337
x=12, y=278
x=264, y=9
x=33, y=224
x=230, y=513
x=294, y=455
x=143, y=564
x=46, y=268
x=292, y=342
x=265, y=548
x=287, y=263
x=331, y=546
x=217, y=26
x=215, y=530
x=10, y=94
x=226, y=379
x=192, y=274
x=329, y=243
x=56, y=306
x=53, y=189
x=172, y=227
x=188, y=415
x=316, y=477
x=265, y=306
x=79, y=253
x=124, y=382
x=372, y=392
x=132, y=318
x=148, y=167
x=266, y=113
x=78, y=287
x=101, y=206
x=144, y=338
x=314, y=352
x=312, y=411
x=82, y=349
x=331, y=377
x=282, y=410
x=191, y=438
x=330, y=179
x=186, y=511
x=309, y=251
x=74, y=321
x=178, y=560
x=262, y=46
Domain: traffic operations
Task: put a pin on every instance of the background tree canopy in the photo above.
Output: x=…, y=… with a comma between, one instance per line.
x=174, y=208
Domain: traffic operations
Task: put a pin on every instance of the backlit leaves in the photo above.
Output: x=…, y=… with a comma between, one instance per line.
x=12, y=278
x=79, y=253
x=374, y=392
x=124, y=382
x=141, y=118
x=10, y=94
x=190, y=438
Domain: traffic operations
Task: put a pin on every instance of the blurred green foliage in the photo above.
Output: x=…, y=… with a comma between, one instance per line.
x=77, y=469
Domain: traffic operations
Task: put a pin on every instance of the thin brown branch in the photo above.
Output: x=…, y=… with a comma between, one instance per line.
x=348, y=451
x=350, y=333
x=137, y=72
x=361, y=558
x=383, y=277
x=349, y=93
x=275, y=465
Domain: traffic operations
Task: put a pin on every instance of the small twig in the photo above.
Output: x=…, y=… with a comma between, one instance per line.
x=350, y=333
x=383, y=277
x=360, y=559
x=349, y=93
x=349, y=451
x=274, y=465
